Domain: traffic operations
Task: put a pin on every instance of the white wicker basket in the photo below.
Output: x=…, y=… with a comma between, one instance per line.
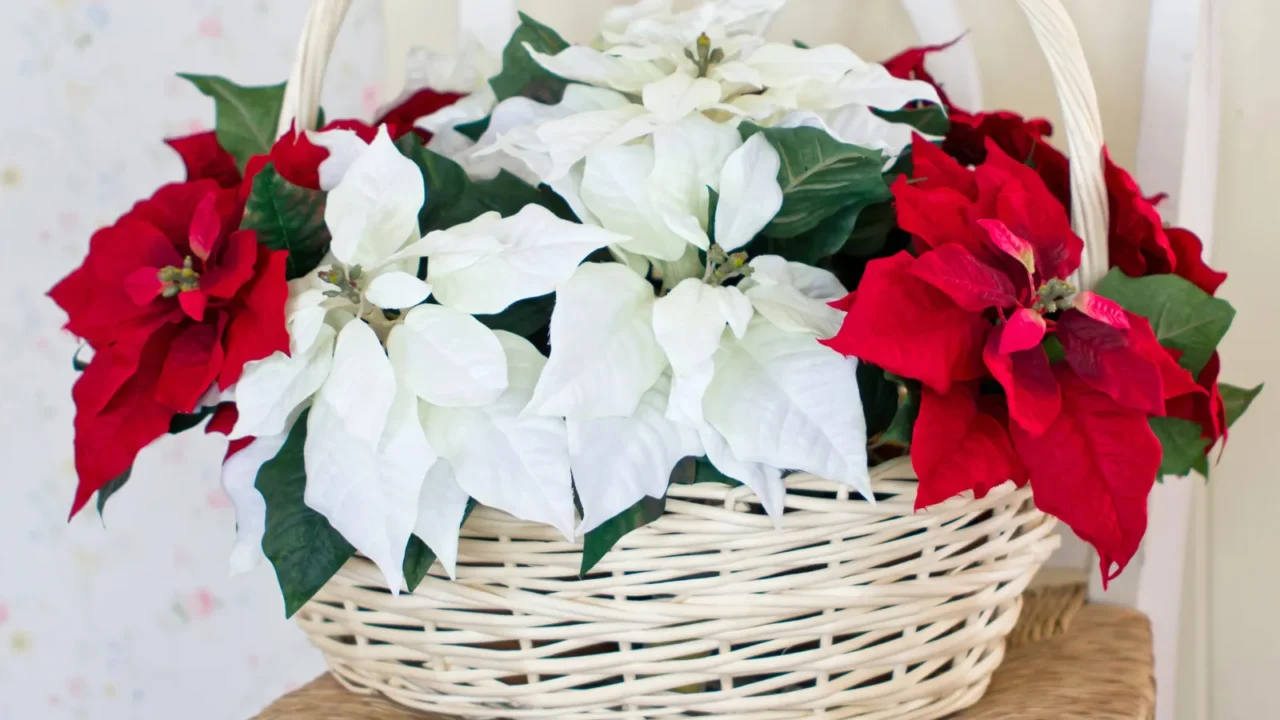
x=849, y=610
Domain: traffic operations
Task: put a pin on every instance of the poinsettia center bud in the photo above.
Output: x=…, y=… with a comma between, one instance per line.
x=347, y=282
x=178, y=279
x=1054, y=296
x=704, y=56
x=722, y=267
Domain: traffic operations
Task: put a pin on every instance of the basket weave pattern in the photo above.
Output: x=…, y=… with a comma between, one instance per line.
x=849, y=610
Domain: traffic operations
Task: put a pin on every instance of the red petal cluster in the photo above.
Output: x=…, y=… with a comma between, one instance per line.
x=1023, y=378
x=1140, y=244
x=175, y=299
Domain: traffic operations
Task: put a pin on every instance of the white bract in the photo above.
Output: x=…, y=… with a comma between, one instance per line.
x=506, y=459
x=708, y=62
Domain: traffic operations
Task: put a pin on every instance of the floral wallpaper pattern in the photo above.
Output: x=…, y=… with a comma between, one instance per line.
x=132, y=615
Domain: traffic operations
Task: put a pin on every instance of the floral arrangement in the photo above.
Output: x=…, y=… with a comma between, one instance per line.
x=681, y=254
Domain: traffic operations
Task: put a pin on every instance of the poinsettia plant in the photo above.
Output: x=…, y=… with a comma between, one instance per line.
x=680, y=254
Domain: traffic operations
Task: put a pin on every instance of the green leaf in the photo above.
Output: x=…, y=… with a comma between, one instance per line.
x=183, y=422
x=453, y=198
x=76, y=363
x=879, y=398
x=474, y=130
x=1237, y=400
x=300, y=543
x=523, y=318
x=1201, y=466
x=246, y=116
x=288, y=217
x=904, y=420
x=600, y=541
x=705, y=472
x=418, y=558
x=1184, y=317
x=1181, y=442
x=111, y=488
x=823, y=241
x=800, y=44
x=820, y=177
x=871, y=232
x=929, y=120
x=522, y=75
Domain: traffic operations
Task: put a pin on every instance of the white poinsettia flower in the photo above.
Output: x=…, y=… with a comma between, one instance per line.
x=604, y=353
x=239, y=478
x=689, y=320
x=782, y=399
x=750, y=195
x=502, y=457
x=617, y=461
x=794, y=296
x=442, y=507
x=484, y=266
x=366, y=454
x=447, y=357
x=372, y=214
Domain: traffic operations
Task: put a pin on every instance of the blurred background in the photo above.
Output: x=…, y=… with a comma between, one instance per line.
x=133, y=615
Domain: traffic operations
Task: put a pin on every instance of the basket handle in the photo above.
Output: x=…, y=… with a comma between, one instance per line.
x=1083, y=127
x=1049, y=20
x=310, y=61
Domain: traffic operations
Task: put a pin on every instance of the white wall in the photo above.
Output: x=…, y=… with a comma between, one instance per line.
x=1244, y=493
x=136, y=620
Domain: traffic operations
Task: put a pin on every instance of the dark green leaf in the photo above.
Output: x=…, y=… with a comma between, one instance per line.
x=523, y=318
x=1181, y=442
x=880, y=398
x=871, y=231
x=522, y=75
x=111, y=488
x=1237, y=400
x=246, y=116
x=288, y=217
x=1202, y=466
x=76, y=363
x=820, y=177
x=304, y=548
x=1184, y=317
x=705, y=472
x=453, y=199
x=418, y=558
x=823, y=241
x=600, y=541
x=930, y=119
x=183, y=422
x=800, y=44
x=904, y=420
x=474, y=130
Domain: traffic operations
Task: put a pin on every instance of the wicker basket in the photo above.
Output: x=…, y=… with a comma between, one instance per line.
x=849, y=610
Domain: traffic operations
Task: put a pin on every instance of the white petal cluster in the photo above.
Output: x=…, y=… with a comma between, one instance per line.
x=416, y=406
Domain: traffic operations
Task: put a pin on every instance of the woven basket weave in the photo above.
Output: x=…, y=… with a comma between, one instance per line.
x=849, y=610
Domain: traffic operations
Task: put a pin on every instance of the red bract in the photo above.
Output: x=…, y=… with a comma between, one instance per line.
x=173, y=299
x=1139, y=243
x=205, y=159
x=960, y=424
x=987, y=292
x=1093, y=469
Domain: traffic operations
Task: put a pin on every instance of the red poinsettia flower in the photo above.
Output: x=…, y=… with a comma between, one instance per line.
x=1139, y=243
x=296, y=158
x=174, y=300
x=205, y=159
x=987, y=298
